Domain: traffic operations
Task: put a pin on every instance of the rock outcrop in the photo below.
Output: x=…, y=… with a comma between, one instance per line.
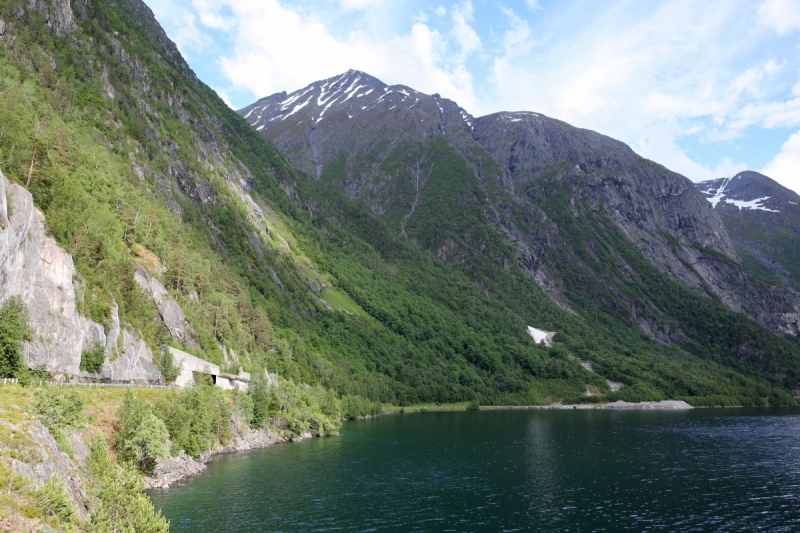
x=763, y=219
x=52, y=462
x=36, y=269
x=57, y=15
x=168, y=309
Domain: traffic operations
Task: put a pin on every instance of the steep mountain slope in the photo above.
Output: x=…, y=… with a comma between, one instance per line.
x=378, y=139
x=186, y=227
x=763, y=220
x=178, y=229
x=599, y=229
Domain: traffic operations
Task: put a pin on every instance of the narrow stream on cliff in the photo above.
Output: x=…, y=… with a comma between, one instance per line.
x=577, y=471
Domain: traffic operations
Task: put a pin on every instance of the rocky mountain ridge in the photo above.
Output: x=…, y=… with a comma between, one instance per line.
x=377, y=139
x=405, y=264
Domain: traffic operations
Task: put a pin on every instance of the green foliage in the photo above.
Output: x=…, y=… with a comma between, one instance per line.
x=117, y=492
x=142, y=436
x=93, y=358
x=196, y=418
x=53, y=497
x=438, y=317
x=59, y=407
x=356, y=407
x=170, y=370
x=295, y=409
x=14, y=329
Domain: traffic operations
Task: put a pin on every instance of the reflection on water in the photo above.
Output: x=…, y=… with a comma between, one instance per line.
x=704, y=470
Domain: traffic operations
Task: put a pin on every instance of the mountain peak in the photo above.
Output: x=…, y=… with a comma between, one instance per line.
x=749, y=190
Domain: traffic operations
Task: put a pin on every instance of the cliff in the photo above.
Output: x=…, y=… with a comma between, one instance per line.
x=35, y=268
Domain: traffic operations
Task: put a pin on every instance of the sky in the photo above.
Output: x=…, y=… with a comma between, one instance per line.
x=707, y=89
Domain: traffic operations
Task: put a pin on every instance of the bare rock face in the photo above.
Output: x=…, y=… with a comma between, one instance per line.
x=57, y=15
x=128, y=358
x=171, y=313
x=35, y=268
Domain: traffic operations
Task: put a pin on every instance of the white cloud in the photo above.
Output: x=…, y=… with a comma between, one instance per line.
x=360, y=4
x=186, y=34
x=533, y=5
x=785, y=166
x=783, y=16
x=658, y=144
x=650, y=77
x=280, y=48
x=464, y=34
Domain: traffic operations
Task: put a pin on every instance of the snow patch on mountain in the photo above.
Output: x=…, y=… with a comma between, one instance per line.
x=540, y=335
x=715, y=196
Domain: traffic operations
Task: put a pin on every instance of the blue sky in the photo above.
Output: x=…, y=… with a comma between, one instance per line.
x=705, y=88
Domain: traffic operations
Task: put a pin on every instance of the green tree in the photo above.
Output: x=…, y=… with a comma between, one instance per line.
x=14, y=329
x=59, y=408
x=142, y=437
x=119, y=501
x=93, y=358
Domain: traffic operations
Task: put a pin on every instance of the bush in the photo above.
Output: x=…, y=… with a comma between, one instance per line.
x=196, y=418
x=14, y=329
x=53, y=498
x=296, y=409
x=356, y=406
x=169, y=370
x=142, y=437
x=93, y=358
x=59, y=408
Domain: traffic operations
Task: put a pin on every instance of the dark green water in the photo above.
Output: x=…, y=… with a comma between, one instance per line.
x=578, y=471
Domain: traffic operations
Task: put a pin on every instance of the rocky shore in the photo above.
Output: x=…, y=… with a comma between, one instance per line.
x=182, y=466
x=664, y=405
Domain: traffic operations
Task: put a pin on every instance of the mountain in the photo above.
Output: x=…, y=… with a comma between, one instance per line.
x=388, y=247
x=606, y=234
x=379, y=142
x=763, y=219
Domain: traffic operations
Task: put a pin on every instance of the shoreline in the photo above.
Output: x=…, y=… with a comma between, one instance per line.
x=179, y=468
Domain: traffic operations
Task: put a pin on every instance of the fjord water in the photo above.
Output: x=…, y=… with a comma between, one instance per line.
x=577, y=471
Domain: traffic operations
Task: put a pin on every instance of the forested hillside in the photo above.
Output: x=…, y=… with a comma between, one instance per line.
x=136, y=164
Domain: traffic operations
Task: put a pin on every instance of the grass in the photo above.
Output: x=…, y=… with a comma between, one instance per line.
x=341, y=302
x=426, y=406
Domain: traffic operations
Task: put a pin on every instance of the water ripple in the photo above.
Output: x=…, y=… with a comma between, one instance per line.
x=574, y=471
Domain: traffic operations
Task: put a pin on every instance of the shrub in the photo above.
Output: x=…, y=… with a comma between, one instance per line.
x=169, y=369
x=298, y=411
x=196, y=418
x=93, y=358
x=53, y=498
x=59, y=408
